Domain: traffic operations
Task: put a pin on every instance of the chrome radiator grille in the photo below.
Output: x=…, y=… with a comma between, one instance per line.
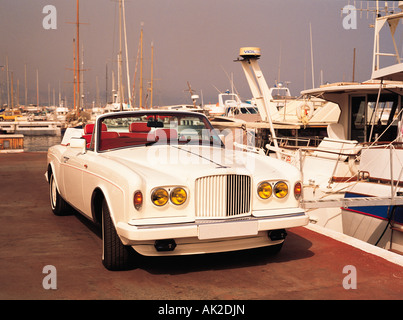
x=223, y=196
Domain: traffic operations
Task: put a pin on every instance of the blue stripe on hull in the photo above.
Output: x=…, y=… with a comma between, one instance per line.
x=380, y=212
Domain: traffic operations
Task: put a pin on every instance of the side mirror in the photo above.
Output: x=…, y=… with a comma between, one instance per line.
x=80, y=144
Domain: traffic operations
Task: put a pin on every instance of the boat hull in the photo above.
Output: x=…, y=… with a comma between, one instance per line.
x=377, y=225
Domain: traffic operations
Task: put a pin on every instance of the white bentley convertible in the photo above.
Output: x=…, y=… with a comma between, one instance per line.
x=163, y=183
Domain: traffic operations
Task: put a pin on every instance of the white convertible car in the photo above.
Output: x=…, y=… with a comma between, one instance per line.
x=163, y=183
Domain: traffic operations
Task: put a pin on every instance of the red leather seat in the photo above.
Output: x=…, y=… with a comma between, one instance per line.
x=139, y=127
x=89, y=129
x=139, y=131
x=109, y=140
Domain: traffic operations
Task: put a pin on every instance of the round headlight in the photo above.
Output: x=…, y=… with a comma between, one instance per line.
x=178, y=196
x=159, y=197
x=280, y=189
x=264, y=190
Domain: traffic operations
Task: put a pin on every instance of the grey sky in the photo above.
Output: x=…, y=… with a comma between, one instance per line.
x=194, y=40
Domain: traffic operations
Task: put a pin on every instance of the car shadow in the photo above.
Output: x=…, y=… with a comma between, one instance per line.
x=295, y=248
x=91, y=225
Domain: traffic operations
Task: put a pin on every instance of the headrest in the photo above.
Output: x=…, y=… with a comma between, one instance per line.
x=89, y=128
x=139, y=127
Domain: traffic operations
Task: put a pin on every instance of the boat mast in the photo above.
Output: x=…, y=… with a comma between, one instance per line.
x=8, y=84
x=259, y=88
x=75, y=76
x=106, y=84
x=12, y=91
x=141, y=68
x=18, y=92
x=313, y=74
x=25, y=82
x=135, y=73
x=37, y=88
x=151, y=83
x=82, y=79
x=60, y=96
x=127, y=56
x=120, y=87
x=354, y=65
x=97, y=97
x=77, y=107
x=114, y=94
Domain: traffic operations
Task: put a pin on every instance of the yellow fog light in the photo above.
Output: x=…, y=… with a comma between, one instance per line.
x=159, y=197
x=280, y=189
x=178, y=196
x=264, y=190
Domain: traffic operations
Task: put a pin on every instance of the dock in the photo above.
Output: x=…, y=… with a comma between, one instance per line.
x=32, y=128
x=311, y=265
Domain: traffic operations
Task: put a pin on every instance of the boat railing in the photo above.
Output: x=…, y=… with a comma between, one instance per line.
x=392, y=176
x=293, y=142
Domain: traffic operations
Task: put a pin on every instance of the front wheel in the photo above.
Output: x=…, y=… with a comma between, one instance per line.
x=115, y=255
x=57, y=203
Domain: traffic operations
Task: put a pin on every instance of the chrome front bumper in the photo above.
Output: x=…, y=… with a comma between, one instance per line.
x=207, y=229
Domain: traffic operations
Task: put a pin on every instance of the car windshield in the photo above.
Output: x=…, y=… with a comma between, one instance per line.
x=149, y=128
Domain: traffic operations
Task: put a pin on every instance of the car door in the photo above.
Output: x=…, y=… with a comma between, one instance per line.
x=73, y=163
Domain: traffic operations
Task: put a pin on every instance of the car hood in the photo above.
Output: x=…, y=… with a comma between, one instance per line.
x=183, y=164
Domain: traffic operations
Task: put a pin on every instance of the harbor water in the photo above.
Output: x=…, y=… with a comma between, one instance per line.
x=40, y=143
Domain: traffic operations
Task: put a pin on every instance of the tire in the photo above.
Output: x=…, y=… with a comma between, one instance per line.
x=57, y=203
x=274, y=249
x=115, y=255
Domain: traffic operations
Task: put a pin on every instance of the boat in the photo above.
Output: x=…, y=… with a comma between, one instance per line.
x=353, y=180
x=310, y=114
x=277, y=117
x=59, y=114
x=184, y=107
x=116, y=106
x=118, y=99
x=354, y=161
x=229, y=105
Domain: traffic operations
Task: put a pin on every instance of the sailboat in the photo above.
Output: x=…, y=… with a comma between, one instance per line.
x=118, y=98
x=77, y=117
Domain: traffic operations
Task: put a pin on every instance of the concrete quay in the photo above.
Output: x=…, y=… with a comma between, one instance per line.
x=311, y=266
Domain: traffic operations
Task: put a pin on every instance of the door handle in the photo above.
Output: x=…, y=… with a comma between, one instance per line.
x=65, y=159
